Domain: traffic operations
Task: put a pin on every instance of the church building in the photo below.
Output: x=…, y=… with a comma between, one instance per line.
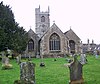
x=49, y=41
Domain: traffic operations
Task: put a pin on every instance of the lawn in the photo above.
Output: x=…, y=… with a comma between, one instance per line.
x=54, y=72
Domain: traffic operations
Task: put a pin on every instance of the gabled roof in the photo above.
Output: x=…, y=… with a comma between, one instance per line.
x=54, y=29
x=54, y=26
x=31, y=31
x=70, y=32
x=32, y=34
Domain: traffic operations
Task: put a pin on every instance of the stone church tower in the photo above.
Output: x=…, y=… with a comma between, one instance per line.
x=42, y=21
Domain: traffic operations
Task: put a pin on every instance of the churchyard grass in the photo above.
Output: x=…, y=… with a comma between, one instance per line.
x=54, y=72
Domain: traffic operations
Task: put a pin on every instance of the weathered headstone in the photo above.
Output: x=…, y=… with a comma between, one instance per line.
x=27, y=72
x=5, y=60
x=18, y=59
x=37, y=56
x=3, y=56
x=29, y=56
x=96, y=54
x=83, y=59
x=55, y=56
x=5, y=63
x=76, y=72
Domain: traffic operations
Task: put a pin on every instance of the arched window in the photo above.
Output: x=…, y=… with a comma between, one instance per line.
x=54, y=42
x=42, y=19
x=31, y=45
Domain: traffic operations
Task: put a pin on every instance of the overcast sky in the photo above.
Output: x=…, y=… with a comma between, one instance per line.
x=83, y=16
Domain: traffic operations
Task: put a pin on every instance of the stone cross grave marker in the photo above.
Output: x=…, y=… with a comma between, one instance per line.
x=27, y=72
x=76, y=72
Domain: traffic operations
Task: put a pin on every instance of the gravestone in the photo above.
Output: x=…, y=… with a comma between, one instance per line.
x=18, y=59
x=83, y=59
x=55, y=56
x=76, y=72
x=5, y=63
x=37, y=56
x=5, y=60
x=96, y=54
x=29, y=56
x=27, y=73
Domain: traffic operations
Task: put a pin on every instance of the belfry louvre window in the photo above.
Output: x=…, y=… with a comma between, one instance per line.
x=31, y=45
x=54, y=42
x=42, y=19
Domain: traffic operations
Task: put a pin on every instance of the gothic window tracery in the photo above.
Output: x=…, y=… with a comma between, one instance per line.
x=54, y=42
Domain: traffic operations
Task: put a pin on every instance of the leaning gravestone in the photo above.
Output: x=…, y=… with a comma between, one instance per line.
x=76, y=72
x=27, y=73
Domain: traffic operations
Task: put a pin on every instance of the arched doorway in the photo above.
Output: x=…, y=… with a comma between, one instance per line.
x=72, y=46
